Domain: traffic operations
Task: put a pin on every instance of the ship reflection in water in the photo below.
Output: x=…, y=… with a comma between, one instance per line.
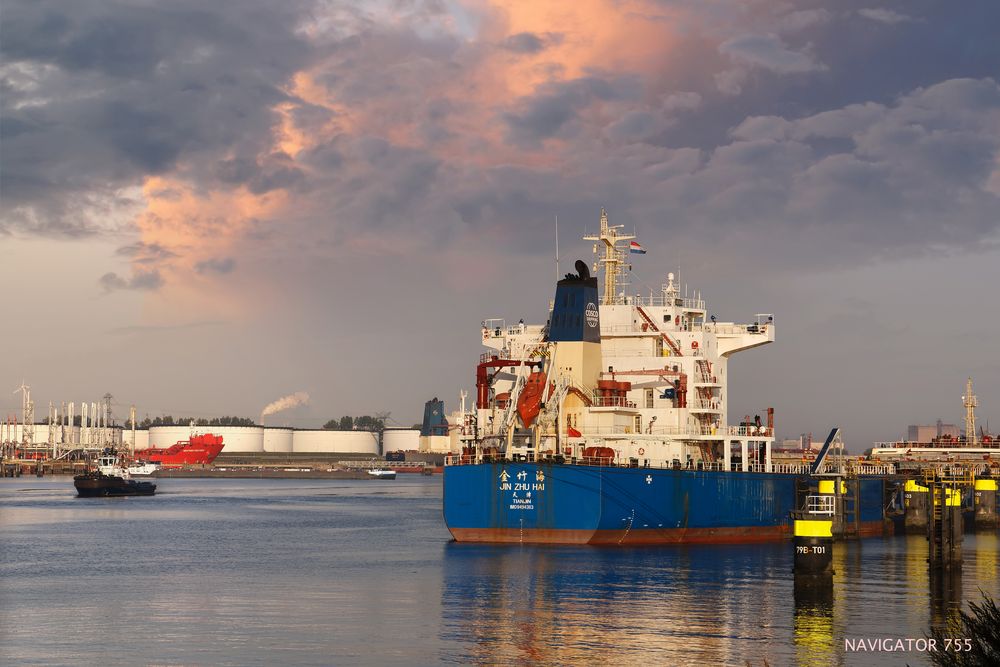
x=575, y=604
x=696, y=605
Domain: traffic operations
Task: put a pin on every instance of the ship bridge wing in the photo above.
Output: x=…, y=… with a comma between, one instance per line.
x=738, y=337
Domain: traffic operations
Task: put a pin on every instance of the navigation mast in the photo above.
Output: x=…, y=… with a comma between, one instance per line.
x=613, y=260
x=970, y=403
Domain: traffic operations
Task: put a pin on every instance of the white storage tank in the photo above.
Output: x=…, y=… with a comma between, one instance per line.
x=234, y=438
x=277, y=439
x=335, y=442
x=400, y=440
x=165, y=436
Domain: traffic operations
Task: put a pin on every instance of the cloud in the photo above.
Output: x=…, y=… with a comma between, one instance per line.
x=884, y=16
x=804, y=18
x=275, y=171
x=319, y=132
x=731, y=81
x=529, y=42
x=221, y=265
x=557, y=105
x=98, y=97
x=146, y=253
x=769, y=52
x=140, y=280
x=681, y=101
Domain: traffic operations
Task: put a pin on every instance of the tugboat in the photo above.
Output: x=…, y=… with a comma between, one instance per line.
x=110, y=479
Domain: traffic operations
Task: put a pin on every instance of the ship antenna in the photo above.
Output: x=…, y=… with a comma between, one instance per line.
x=557, y=247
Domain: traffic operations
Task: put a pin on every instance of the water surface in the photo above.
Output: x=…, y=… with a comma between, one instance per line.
x=320, y=572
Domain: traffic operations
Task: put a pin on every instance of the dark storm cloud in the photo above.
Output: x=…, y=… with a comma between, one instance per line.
x=809, y=133
x=556, y=105
x=261, y=175
x=97, y=96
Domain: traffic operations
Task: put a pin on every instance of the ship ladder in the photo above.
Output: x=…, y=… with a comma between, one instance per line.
x=507, y=420
x=704, y=368
x=674, y=347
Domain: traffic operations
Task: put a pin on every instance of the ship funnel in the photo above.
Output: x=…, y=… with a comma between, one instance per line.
x=575, y=330
x=575, y=315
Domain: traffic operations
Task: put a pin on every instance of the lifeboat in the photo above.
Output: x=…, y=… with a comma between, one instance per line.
x=529, y=402
x=599, y=455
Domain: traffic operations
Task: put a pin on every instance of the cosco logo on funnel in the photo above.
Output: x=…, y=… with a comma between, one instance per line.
x=591, y=315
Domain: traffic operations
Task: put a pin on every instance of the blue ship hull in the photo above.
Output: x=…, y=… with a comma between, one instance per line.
x=554, y=503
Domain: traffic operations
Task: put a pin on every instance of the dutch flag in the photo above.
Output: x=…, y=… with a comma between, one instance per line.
x=637, y=249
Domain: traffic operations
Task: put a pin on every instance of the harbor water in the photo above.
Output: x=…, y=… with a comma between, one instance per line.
x=321, y=572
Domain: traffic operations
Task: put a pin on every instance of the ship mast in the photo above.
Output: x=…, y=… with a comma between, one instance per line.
x=970, y=403
x=613, y=260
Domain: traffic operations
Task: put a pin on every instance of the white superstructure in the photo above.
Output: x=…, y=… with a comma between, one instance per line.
x=659, y=393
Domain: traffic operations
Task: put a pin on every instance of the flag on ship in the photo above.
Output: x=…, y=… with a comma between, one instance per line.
x=634, y=247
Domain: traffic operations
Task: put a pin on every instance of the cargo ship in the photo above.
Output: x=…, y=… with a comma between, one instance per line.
x=609, y=424
x=198, y=450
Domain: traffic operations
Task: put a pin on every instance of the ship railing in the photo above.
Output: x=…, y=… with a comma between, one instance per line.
x=605, y=461
x=660, y=301
x=655, y=430
x=790, y=468
x=952, y=469
x=612, y=402
x=874, y=469
x=726, y=329
x=626, y=328
x=498, y=354
x=750, y=431
x=940, y=444
x=696, y=352
x=820, y=505
x=737, y=329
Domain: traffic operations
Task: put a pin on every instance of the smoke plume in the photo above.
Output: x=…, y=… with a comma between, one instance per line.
x=285, y=402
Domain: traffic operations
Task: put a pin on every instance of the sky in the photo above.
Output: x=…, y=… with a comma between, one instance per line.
x=207, y=206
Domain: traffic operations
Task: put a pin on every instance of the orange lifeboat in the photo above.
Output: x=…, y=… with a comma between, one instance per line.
x=600, y=455
x=530, y=400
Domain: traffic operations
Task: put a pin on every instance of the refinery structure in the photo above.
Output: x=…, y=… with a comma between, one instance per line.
x=71, y=430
